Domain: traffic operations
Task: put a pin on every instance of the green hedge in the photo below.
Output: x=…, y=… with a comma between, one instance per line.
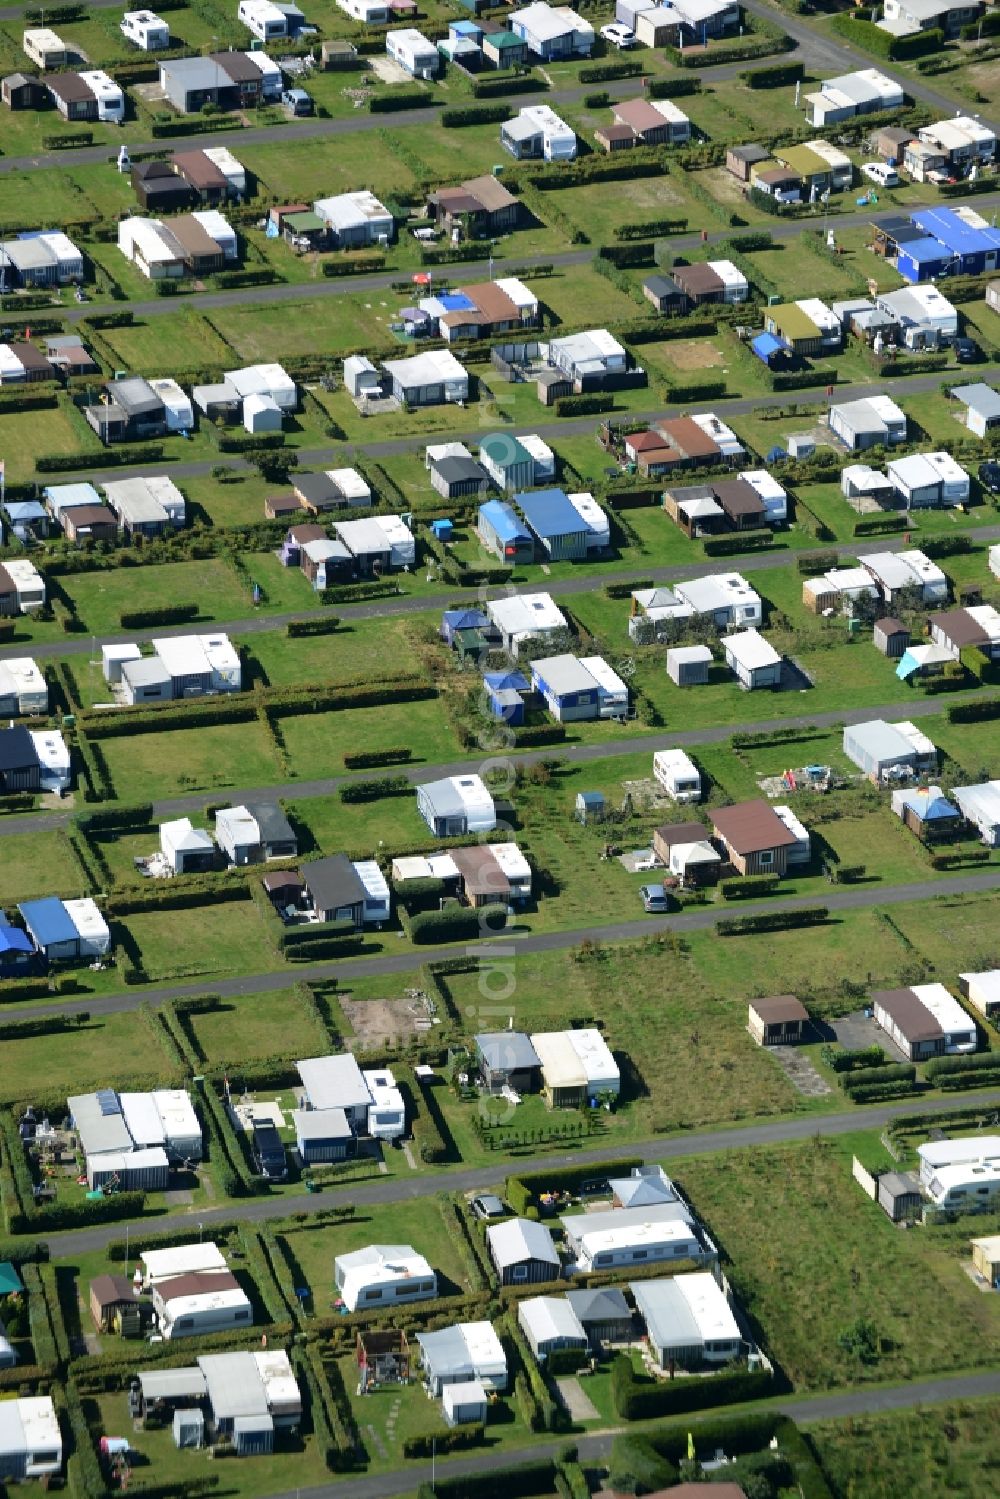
x=399, y=99
x=738, y=541
x=452, y=923
x=522, y=1191
x=524, y=1481
x=811, y=563
x=891, y=1072
x=373, y=791
x=637, y=253
x=672, y=88
x=476, y=114
x=870, y=38
x=296, y=629
x=456, y=1439
x=55, y=463
x=167, y=614
x=879, y=525
x=746, y=887
x=604, y=72
x=588, y=405
x=781, y=75
x=636, y=1400
x=771, y=921
x=983, y=1061
x=975, y=712
x=370, y=759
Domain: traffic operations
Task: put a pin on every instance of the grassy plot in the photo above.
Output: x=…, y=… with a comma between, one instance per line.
x=317, y=742
x=208, y=939
x=208, y=758
x=940, y=1449
x=33, y=864
x=335, y=825
x=311, y=1251
x=295, y=168
x=334, y=324
x=26, y=434
x=809, y=1255
x=155, y=344
x=359, y=650
x=949, y=934
x=258, y=1025
x=81, y=1057
x=297, y=1460
x=102, y=597
x=690, y=1061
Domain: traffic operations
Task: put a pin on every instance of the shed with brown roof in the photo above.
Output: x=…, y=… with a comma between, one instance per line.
x=778, y=1020
x=32, y=361
x=690, y=440
x=109, y=1293
x=72, y=95
x=743, y=505
x=208, y=182
x=195, y=1283
x=90, y=523
x=890, y=636
x=617, y=137
x=908, y=1022
x=647, y=122
x=202, y=254
x=957, y=628
x=483, y=880
x=753, y=836
x=699, y=282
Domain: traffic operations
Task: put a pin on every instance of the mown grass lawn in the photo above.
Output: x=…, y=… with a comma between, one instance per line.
x=82, y=1057
x=333, y=323
x=152, y=344
x=227, y=938
x=940, y=1449
x=359, y=650
x=102, y=597
x=26, y=434
x=208, y=758
x=271, y=1024
x=33, y=864
x=317, y=742
x=808, y=1254
x=311, y=1251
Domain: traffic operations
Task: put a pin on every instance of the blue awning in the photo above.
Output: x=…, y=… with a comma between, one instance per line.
x=765, y=345
x=49, y=922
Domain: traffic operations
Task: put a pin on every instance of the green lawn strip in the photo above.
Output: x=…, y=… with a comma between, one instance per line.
x=208, y=939
x=80, y=1057
x=946, y=1448
x=257, y=1025
x=155, y=345
x=790, y=1219
x=317, y=742
x=33, y=864
x=359, y=650
x=210, y=758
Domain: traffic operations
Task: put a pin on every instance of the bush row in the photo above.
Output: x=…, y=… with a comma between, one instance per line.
x=771, y=921
x=635, y=1401
x=745, y=887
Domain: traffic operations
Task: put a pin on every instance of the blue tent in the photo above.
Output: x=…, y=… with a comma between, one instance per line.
x=767, y=346
x=776, y=455
x=13, y=940
x=50, y=925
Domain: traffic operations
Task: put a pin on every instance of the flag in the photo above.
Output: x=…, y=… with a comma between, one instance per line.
x=690, y=1447
x=27, y=334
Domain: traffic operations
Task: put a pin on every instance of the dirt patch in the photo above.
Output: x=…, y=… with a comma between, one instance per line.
x=389, y=71
x=721, y=184
x=694, y=354
x=374, y=1023
x=648, y=192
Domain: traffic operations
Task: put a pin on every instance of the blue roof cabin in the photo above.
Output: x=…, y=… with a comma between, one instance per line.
x=556, y=524
x=503, y=534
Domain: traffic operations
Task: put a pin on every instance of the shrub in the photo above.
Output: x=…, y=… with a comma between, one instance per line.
x=738, y=541
x=747, y=886
x=401, y=98
x=327, y=625
x=373, y=791
x=523, y=1481
x=771, y=921
x=453, y=1440
x=477, y=114
x=452, y=923
x=604, y=72
x=167, y=614
x=588, y=405
x=975, y=712
x=890, y=1072
x=982, y=1061
x=637, y=1467
x=778, y=76
x=635, y=1401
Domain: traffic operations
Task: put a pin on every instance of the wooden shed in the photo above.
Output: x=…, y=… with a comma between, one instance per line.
x=778, y=1020
x=110, y=1294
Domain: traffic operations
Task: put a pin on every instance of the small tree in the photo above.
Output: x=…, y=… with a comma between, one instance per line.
x=861, y=1341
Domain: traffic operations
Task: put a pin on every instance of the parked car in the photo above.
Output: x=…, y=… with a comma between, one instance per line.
x=989, y=476
x=618, y=36
x=880, y=172
x=966, y=350
x=654, y=898
x=297, y=101
x=269, y=1151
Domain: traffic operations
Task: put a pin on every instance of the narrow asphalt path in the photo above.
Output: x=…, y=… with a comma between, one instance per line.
x=506, y=948
x=382, y=1190
x=594, y=1449
x=573, y=754
x=468, y=422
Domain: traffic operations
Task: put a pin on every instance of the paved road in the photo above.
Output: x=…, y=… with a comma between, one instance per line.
x=467, y=421
x=827, y=51
x=409, y=1188
x=573, y=754
x=513, y=944
x=294, y=292
x=595, y=1449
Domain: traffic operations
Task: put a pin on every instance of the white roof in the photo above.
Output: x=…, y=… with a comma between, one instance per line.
x=945, y=1008
x=383, y=1089
x=101, y=84
x=548, y=1318
x=853, y=580
x=937, y=1154
x=727, y=272
x=151, y=238
x=917, y=304
x=226, y=162
x=28, y=1426
x=833, y=156
x=797, y=829
x=163, y=1264
x=714, y=427
x=984, y=988
x=176, y=1111
x=639, y=1227
x=590, y=512
x=350, y=210
x=764, y=483
x=333, y=1082
x=526, y=614
x=675, y=762
x=203, y=1301
x=824, y=317
x=262, y=379
x=350, y=483
x=22, y=572
x=434, y=452
x=215, y=224
x=135, y=500
x=708, y=1306
x=379, y=1264
x=749, y=649
x=687, y=655
x=511, y=860
x=594, y=1053
x=193, y=655
x=537, y=447
x=430, y=368
x=606, y=678
x=182, y=835
x=51, y=749
x=547, y=22
x=142, y=1119
x=976, y=1174
x=537, y=118
x=377, y=887
x=717, y=591
x=25, y=674
x=239, y=826
x=275, y=1372
x=42, y=36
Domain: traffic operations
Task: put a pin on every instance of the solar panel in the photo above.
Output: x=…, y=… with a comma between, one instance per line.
x=107, y=1098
